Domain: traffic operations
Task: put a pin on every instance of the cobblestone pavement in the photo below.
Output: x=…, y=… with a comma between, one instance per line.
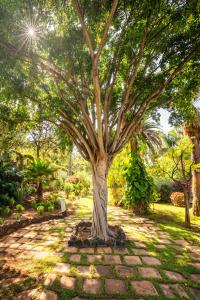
x=36, y=263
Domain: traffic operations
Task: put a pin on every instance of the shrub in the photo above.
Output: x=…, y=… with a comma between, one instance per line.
x=6, y=211
x=40, y=209
x=11, y=202
x=50, y=208
x=1, y=221
x=177, y=199
x=165, y=192
x=17, y=217
x=21, y=193
x=20, y=207
x=140, y=187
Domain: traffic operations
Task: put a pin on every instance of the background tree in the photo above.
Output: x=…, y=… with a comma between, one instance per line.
x=193, y=131
x=176, y=165
x=99, y=66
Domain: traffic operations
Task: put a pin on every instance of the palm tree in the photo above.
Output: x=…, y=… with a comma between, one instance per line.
x=192, y=129
x=39, y=172
x=147, y=132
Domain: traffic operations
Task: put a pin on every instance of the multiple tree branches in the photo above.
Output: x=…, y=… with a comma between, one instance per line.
x=87, y=115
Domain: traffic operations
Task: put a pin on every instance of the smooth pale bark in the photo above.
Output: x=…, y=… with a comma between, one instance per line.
x=100, y=194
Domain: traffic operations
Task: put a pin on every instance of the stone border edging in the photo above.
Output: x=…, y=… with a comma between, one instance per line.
x=12, y=227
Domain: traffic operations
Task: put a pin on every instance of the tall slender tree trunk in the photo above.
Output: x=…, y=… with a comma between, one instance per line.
x=187, y=208
x=70, y=164
x=100, y=194
x=196, y=179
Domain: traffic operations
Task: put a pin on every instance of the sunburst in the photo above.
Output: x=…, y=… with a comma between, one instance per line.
x=29, y=33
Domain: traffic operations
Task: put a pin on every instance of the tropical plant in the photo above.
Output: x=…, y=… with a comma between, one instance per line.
x=39, y=172
x=147, y=132
x=140, y=188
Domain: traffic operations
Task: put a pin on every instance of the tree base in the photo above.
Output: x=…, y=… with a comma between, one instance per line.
x=81, y=237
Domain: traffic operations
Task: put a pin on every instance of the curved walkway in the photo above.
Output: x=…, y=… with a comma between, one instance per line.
x=36, y=262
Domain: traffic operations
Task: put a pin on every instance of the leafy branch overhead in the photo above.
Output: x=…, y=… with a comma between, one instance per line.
x=104, y=64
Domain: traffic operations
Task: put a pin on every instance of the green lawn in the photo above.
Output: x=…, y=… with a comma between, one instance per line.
x=171, y=219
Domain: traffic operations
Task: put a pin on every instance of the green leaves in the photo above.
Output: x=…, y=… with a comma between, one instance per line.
x=139, y=185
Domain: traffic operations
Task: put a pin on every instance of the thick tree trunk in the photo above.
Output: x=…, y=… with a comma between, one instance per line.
x=100, y=194
x=187, y=208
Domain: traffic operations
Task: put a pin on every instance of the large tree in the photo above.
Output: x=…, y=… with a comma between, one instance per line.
x=100, y=66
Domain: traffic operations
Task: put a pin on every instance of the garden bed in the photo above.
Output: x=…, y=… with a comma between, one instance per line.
x=15, y=225
x=82, y=232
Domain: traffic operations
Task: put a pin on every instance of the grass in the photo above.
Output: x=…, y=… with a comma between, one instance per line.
x=171, y=219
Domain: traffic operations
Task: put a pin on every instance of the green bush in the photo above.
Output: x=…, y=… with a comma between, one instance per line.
x=40, y=209
x=140, y=188
x=6, y=211
x=20, y=207
x=50, y=208
x=11, y=202
x=1, y=221
x=165, y=192
x=17, y=217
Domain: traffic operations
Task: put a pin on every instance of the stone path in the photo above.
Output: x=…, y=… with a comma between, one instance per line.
x=153, y=265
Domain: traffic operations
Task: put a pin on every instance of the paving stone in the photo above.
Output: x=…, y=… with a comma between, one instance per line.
x=106, y=250
x=115, y=286
x=196, y=265
x=68, y=282
x=62, y=268
x=149, y=272
x=123, y=271
x=84, y=270
x=95, y=258
x=194, y=256
x=75, y=258
x=144, y=287
x=121, y=251
x=196, y=293
x=160, y=246
x=140, y=251
x=174, y=276
x=181, y=242
x=92, y=286
x=112, y=259
x=195, y=277
x=50, y=279
x=164, y=241
x=26, y=295
x=87, y=250
x=149, y=260
x=132, y=260
x=48, y=295
x=104, y=271
x=140, y=245
x=71, y=249
x=167, y=291
x=180, y=291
